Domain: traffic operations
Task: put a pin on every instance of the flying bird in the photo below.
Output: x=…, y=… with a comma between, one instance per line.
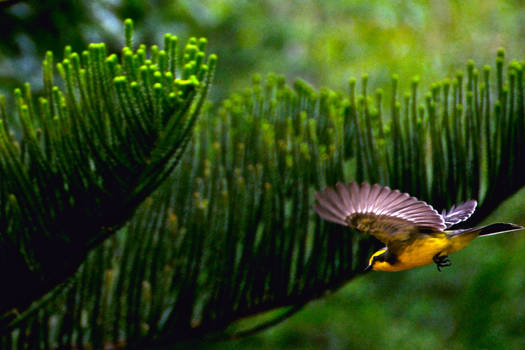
x=413, y=232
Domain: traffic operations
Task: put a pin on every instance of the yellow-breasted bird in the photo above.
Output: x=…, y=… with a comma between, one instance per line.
x=414, y=233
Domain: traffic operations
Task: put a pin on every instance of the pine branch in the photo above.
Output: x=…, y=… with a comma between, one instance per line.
x=231, y=232
x=77, y=161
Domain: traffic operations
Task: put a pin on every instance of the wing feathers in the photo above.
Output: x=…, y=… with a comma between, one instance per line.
x=354, y=196
x=336, y=201
x=363, y=194
x=339, y=203
x=324, y=203
x=344, y=195
x=460, y=213
x=327, y=214
x=372, y=197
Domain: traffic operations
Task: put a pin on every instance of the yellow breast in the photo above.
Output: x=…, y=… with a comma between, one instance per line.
x=418, y=253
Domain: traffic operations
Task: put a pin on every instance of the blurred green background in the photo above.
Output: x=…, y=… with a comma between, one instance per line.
x=475, y=304
x=322, y=41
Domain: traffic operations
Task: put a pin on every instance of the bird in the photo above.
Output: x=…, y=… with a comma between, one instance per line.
x=413, y=232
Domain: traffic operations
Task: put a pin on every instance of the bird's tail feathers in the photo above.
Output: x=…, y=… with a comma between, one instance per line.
x=489, y=230
x=460, y=238
x=499, y=227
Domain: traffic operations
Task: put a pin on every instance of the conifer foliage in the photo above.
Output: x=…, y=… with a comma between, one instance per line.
x=76, y=162
x=230, y=232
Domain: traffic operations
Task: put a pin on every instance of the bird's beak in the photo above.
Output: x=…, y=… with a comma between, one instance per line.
x=368, y=268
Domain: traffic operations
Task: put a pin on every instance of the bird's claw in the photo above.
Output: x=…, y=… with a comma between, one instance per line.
x=441, y=261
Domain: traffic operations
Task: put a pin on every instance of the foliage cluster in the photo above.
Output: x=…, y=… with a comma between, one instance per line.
x=230, y=232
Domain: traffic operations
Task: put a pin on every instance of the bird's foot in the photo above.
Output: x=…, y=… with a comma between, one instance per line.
x=441, y=261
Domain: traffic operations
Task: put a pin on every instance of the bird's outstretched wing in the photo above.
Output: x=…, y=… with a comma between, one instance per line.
x=460, y=213
x=386, y=214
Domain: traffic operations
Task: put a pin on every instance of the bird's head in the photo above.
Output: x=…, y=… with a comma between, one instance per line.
x=378, y=261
